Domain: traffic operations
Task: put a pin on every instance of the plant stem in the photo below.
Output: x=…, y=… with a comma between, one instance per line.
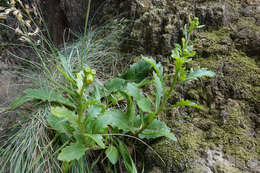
x=84, y=36
x=146, y=125
x=161, y=108
x=168, y=93
x=80, y=107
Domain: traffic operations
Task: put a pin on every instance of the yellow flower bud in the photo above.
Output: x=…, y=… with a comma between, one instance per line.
x=89, y=79
x=87, y=70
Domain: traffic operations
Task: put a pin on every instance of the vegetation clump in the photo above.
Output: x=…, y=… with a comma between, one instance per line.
x=85, y=115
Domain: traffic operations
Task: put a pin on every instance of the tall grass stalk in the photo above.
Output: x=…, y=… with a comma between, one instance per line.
x=85, y=32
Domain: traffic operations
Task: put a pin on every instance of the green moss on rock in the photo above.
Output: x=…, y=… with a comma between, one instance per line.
x=219, y=167
x=228, y=123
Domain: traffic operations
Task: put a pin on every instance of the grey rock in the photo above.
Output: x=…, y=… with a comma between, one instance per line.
x=254, y=165
x=157, y=25
x=249, y=11
x=154, y=170
x=248, y=39
x=199, y=169
x=212, y=17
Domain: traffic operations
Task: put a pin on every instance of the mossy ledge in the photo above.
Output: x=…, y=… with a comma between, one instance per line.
x=229, y=123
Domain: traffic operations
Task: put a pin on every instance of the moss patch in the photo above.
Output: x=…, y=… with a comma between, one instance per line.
x=231, y=102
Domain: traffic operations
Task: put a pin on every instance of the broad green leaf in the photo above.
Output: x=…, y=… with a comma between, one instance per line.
x=157, y=67
x=59, y=124
x=116, y=118
x=187, y=103
x=97, y=138
x=187, y=53
x=62, y=112
x=49, y=95
x=114, y=85
x=130, y=108
x=97, y=92
x=134, y=91
x=115, y=98
x=95, y=125
x=137, y=72
x=199, y=72
x=129, y=163
x=157, y=129
x=143, y=103
x=112, y=154
x=94, y=110
x=159, y=91
x=60, y=99
x=132, y=114
x=19, y=101
x=72, y=152
x=41, y=94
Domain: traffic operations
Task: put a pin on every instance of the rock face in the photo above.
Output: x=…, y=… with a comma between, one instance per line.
x=157, y=25
x=55, y=19
x=247, y=36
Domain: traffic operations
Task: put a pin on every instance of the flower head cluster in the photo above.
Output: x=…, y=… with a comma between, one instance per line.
x=89, y=75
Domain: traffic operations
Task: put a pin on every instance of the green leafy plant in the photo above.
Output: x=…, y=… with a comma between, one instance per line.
x=32, y=135
x=88, y=116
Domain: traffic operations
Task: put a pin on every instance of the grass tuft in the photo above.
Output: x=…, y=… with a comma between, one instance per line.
x=26, y=143
x=30, y=148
